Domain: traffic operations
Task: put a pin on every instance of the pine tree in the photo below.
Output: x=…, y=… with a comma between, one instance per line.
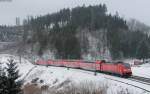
x=3, y=84
x=12, y=86
x=143, y=50
x=0, y=70
x=3, y=81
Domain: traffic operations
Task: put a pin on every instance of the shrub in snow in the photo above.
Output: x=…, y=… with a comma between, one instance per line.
x=68, y=87
x=34, y=80
x=41, y=81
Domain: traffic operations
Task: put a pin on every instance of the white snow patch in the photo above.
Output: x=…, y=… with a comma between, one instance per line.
x=142, y=70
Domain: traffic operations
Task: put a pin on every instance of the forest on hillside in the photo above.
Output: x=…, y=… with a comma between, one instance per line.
x=10, y=33
x=85, y=31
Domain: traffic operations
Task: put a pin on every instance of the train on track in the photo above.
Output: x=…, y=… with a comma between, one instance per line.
x=117, y=68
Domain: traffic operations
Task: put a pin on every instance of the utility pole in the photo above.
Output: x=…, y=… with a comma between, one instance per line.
x=95, y=54
x=92, y=20
x=17, y=21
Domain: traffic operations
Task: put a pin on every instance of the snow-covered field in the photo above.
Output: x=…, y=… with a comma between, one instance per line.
x=54, y=76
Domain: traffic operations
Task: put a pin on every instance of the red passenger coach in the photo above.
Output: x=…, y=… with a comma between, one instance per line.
x=72, y=63
x=88, y=65
x=98, y=64
x=56, y=62
x=41, y=62
x=49, y=62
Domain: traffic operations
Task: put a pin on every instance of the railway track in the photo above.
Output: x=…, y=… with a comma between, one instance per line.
x=140, y=79
x=133, y=78
x=147, y=90
x=29, y=72
x=137, y=79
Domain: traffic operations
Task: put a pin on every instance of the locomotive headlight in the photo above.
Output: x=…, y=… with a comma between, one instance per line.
x=127, y=70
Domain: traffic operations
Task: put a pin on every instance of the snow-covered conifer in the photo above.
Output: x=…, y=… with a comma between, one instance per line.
x=13, y=86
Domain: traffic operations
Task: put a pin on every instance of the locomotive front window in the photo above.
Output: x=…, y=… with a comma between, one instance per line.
x=126, y=65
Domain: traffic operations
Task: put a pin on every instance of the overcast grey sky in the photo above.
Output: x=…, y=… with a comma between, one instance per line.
x=138, y=9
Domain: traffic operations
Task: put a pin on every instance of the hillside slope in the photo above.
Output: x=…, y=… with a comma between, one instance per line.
x=60, y=77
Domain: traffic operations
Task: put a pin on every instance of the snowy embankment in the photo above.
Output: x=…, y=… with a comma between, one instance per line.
x=23, y=67
x=57, y=76
x=139, y=70
x=54, y=76
x=142, y=70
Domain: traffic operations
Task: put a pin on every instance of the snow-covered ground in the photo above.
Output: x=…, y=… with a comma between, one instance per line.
x=142, y=70
x=24, y=67
x=139, y=70
x=54, y=76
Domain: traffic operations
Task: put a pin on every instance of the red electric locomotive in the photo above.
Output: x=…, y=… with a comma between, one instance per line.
x=119, y=68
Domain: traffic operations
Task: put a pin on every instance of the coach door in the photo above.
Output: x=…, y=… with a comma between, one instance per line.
x=98, y=65
x=120, y=69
